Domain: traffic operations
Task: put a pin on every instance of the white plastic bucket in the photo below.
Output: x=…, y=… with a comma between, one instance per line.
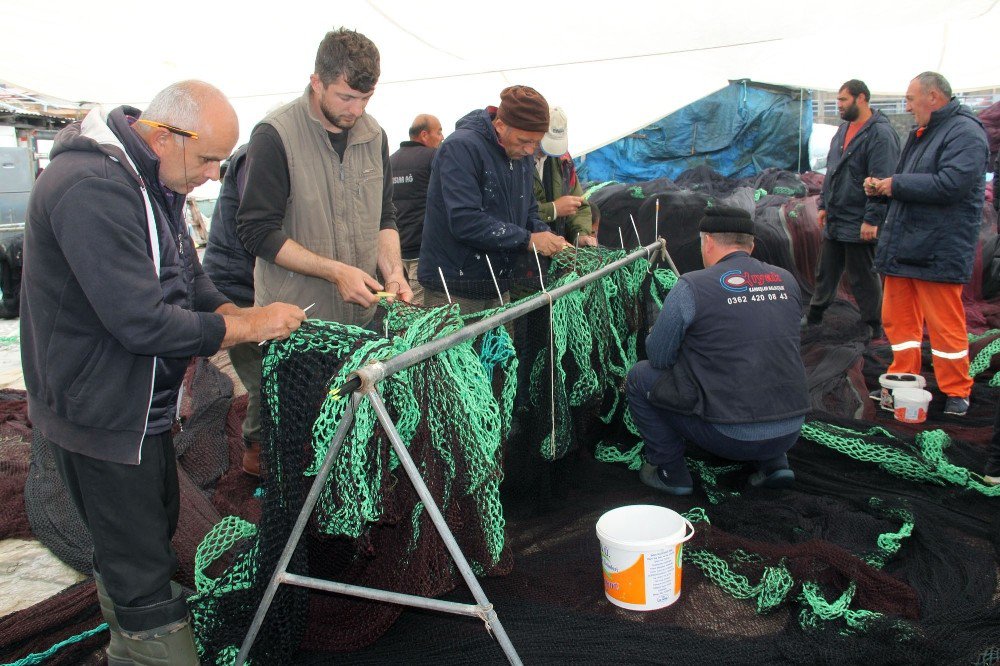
x=641, y=555
x=891, y=383
x=910, y=404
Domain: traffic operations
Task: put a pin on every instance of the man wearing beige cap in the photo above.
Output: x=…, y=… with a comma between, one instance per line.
x=560, y=198
x=481, y=208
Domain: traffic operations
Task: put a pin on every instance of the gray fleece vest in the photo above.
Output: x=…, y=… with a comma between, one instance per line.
x=334, y=208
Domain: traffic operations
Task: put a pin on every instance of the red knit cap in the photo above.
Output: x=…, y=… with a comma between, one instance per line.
x=524, y=108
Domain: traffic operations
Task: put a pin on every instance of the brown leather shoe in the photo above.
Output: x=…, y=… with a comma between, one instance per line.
x=251, y=459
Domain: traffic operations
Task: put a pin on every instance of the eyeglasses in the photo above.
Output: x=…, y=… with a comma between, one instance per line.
x=170, y=128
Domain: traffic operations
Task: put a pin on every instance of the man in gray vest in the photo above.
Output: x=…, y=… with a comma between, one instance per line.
x=318, y=210
x=724, y=370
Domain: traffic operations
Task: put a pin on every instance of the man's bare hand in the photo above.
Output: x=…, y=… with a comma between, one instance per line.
x=355, y=285
x=547, y=243
x=398, y=285
x=868, y=231
x=567, y=205
x=272, y=322
x=585, y=240
x=821, y=218
x=878, y=187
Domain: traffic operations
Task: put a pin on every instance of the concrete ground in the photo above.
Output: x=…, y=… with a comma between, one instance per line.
x=29, y=572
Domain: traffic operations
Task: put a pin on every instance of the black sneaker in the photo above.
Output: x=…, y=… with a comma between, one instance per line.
x=956, y=406
x=777, y=479
x=654, y=477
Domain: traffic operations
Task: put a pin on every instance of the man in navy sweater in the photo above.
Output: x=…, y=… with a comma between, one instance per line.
x=481, y=208
x=724, y=370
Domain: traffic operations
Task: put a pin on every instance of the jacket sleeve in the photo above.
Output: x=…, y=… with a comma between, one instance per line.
x=388, y=219
x=837, y=140
x=262, y=209
x=664, y=341
x=960, y=166
x=462, y=196
x=207, y=298
x=883, y=155
x=98, y=218
x=583, y=221
x=546, y=209
x=535, y=223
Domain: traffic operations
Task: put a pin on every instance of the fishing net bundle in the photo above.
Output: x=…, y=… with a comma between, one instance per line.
x=453, y=411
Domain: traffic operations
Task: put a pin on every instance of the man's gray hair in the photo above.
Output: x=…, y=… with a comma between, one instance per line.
x=179, y=104
x=934, y=81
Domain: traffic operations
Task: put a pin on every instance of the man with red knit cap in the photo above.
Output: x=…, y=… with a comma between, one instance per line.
x=481, y=203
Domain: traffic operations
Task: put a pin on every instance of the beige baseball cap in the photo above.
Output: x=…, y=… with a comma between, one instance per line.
x=556, y=140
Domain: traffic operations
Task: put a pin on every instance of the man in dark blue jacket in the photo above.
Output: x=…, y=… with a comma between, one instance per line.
x=927, y=245
x=865, y=145
x=724, y=370
x=481, y=203
x=230, y=266
x=411, y=174
x=114, y=305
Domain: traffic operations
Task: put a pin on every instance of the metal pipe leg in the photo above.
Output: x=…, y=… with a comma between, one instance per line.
x=442, y=526
x=300, y=524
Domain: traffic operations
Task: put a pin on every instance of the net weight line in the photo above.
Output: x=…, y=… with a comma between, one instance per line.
x=363, y=386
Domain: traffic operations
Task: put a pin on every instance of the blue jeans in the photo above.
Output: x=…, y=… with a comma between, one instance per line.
x=666, y=433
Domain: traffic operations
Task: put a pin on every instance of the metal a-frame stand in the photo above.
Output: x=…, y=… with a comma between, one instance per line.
x=363, y=387
x=482, y=609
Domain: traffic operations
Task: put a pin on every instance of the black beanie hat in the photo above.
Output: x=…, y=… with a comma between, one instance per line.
x=726, y=219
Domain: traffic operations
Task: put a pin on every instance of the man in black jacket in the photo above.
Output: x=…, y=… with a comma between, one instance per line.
x=865, y=145
x=115, y=303
x=411, y=173
x=230, y=267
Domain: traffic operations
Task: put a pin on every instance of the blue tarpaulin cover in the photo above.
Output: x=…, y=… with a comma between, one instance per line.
x=738, y=131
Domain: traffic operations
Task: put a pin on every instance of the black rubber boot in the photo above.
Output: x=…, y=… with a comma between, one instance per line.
x=159, y=634
x=117, y=650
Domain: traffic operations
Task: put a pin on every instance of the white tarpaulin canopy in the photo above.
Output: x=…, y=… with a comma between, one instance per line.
x=613, y=66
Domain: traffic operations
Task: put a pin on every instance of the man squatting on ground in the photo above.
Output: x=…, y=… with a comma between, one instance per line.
x=115, y=305
x=724, y=370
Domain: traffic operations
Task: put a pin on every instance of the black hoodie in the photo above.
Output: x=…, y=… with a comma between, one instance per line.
x=98, y=314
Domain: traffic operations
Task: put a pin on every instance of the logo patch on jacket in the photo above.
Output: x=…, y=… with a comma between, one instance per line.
x=741, y=281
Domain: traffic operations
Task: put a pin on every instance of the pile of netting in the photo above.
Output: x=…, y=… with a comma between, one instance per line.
x=886, y=550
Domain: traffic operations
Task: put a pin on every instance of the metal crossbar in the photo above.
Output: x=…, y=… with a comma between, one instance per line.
x=370, y=376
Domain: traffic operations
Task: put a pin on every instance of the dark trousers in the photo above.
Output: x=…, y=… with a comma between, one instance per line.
x=247, y=359
x=857, y=259
x=131, y=512
x=666, y=433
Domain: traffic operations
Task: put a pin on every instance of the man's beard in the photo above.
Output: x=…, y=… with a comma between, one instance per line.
x=851, y=113
x=337, y=121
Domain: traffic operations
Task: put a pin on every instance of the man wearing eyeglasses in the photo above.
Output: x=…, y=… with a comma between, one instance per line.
x=115, y=304
x=318, y=211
